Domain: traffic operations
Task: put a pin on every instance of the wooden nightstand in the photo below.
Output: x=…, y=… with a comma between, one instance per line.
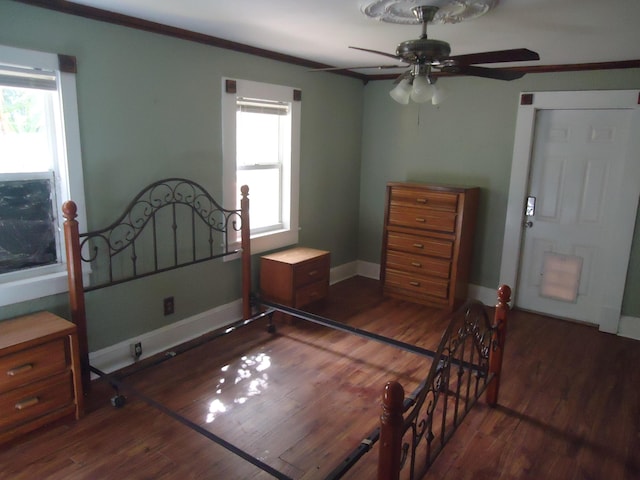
x=295, y=277
x=39, y=373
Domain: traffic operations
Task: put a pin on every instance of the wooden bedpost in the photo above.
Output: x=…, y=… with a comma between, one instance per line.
x=391, y=428
x=76, y=288
x=245, y=235
x=497, y=343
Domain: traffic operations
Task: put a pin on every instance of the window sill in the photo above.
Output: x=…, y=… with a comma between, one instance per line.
x=272, y=240
x=35, y=287
x=26, y=289
x=269, y=241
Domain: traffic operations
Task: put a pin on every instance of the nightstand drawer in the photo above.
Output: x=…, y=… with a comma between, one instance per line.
x=32, y=364
x=315, y=270
x=36, y=399
x=311, y=293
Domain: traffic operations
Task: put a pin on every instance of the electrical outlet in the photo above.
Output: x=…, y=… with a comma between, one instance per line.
x=168, y=305
x=136, y=350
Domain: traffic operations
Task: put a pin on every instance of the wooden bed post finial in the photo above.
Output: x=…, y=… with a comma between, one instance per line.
x=391, y=428
x=245, y=237
x=497, y=343
x=76, y=288
x=69, y=211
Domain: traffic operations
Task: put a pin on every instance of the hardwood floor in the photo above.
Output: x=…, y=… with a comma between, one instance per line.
x=301, y=399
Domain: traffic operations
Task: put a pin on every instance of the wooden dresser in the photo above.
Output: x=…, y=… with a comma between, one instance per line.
x=40, y=373
x=295, y=277
x=427, y=242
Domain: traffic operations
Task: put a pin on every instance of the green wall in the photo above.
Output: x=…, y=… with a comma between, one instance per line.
x=149, y=108
x=466, y=140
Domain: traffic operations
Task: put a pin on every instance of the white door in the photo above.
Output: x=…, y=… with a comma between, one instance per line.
x=578, y=154
x=577, y=169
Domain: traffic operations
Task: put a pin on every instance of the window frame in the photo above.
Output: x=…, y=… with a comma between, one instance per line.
x=37, y=282
x=288, y=234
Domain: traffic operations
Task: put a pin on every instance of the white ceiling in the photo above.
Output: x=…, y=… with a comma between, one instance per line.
x=561, y=31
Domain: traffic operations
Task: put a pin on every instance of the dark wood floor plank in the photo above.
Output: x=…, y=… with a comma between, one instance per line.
x=569, y=405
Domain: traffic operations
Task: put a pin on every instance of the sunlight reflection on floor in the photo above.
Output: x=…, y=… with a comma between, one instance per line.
x=249, y=379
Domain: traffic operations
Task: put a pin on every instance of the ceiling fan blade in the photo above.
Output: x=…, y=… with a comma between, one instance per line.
x=514, y=55
x=390, y=55
x=333, y=69
x=495, y=73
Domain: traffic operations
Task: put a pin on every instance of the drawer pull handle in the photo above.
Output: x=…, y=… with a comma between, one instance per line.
x=418, y=245
x=421, y=200
x=21, y=369
x=27, y=402
x=312, y=273
x=416, y=264
x=414, y=283
x=420, y=220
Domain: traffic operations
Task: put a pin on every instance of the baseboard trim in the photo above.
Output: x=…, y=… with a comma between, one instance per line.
x=629, y=327
x=342, y=272
x=368, y=270
x=488, y=296
x=118, y=356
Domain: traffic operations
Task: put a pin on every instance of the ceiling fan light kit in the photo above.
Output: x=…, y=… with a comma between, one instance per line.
x=418, y=86
x=402, y=91
x=422, y=90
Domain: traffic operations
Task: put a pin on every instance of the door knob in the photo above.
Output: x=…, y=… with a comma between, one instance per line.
x=528, y=224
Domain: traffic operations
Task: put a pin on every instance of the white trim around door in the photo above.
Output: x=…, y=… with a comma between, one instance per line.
x=530, y=103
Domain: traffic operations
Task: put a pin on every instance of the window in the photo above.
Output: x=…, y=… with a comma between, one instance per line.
x=40, y=168
x=261, y=149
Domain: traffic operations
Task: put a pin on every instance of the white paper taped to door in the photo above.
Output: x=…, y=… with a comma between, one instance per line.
x=560, y=276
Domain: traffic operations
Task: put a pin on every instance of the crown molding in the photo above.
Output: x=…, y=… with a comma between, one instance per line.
x=159, y=28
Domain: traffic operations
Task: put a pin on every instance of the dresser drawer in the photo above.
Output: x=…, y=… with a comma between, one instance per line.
x=409, y=197
x=428, y=241
x=420, y=245
x=31, y=364
x=419, y=265
x=316, y=270
x=433, y=287
x=422, y=218
x=31, y=401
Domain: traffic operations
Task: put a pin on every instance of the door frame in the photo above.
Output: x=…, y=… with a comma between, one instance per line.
x=530, y=103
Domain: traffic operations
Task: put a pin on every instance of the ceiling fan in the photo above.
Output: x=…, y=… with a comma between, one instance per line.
x=425, y=55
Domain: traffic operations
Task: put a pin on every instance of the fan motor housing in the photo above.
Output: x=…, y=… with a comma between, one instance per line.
x=424, y=50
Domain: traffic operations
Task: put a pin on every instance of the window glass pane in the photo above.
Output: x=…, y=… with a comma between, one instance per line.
x=40, y=168
x=258, y=139
x=261, y=148
x=27, y=233
x=264, y=191
x=25, y=130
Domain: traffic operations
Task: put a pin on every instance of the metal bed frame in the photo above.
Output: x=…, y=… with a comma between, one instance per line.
x=466, y=364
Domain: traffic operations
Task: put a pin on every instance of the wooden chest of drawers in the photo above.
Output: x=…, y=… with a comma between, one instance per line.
x=295, y=277
x=39, y=373
x=428, y=242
